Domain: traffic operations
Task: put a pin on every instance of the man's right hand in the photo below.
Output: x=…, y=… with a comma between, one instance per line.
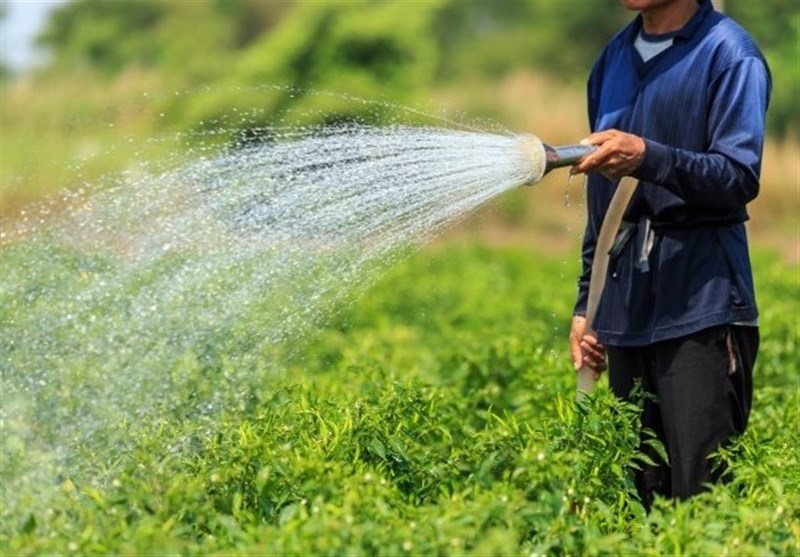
x=585, y=349
x=618, y=154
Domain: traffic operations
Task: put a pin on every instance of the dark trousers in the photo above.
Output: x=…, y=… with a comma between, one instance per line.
x=703, y=387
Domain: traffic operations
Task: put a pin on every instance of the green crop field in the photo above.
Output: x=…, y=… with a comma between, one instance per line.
x=434, y=415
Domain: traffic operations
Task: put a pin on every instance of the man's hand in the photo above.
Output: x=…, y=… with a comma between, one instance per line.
x=585, y=349
x=618, y=154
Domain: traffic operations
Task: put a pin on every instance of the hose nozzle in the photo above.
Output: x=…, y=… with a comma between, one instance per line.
x=543, y=158
x=565, y=155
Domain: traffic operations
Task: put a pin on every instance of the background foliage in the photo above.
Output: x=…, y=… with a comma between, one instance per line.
x=377, y=49
x=120, y=71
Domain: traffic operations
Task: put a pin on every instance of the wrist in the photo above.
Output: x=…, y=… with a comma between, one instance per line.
x=656, y=158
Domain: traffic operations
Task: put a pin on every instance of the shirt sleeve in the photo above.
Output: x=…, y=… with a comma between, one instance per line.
x=726, y=175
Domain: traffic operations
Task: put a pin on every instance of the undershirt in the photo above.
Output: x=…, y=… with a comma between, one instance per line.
x=649, y=46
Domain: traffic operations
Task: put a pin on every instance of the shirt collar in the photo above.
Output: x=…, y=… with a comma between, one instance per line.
x=688, y=30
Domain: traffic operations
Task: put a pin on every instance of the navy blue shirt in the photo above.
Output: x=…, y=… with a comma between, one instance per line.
x=700, y=106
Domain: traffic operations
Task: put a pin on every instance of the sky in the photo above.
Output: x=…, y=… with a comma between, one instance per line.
x=23, y=20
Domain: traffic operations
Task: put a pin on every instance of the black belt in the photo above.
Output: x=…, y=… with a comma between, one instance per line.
x=645, y=238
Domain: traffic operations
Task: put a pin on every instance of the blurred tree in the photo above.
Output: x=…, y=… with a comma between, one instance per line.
x=581, y=31
x=321, y=62
x=251, y=18
x=191, y=40
x=391, y=51
x=492, y=38
x=104, y=36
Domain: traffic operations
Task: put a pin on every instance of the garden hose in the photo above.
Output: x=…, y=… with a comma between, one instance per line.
x=587, y=377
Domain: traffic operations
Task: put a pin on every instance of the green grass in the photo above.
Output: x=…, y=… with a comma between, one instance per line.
x=433, y=416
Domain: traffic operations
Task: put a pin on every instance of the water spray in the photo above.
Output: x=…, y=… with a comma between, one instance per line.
x=213, y=267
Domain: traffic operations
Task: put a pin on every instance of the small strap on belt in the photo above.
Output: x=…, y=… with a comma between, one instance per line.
x=645, y=237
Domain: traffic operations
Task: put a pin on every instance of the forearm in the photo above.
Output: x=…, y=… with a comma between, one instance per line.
x=705, y=180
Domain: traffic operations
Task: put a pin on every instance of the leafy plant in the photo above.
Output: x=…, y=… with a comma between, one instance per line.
x=435, y=416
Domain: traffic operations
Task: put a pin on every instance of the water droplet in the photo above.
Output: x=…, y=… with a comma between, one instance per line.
x=566, y=190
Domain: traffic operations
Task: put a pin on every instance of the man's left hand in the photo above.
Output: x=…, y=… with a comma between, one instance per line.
x=618, y=154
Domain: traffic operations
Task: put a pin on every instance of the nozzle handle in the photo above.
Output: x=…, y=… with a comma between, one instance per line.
x=565, y=155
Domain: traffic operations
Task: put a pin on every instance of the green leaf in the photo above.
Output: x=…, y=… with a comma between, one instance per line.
x=377, y=448
x=642, y=457
x=287, y=513
x=30, y=524
x=658, y=447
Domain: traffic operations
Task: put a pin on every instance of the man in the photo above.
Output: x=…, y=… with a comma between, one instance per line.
x=677, y=100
